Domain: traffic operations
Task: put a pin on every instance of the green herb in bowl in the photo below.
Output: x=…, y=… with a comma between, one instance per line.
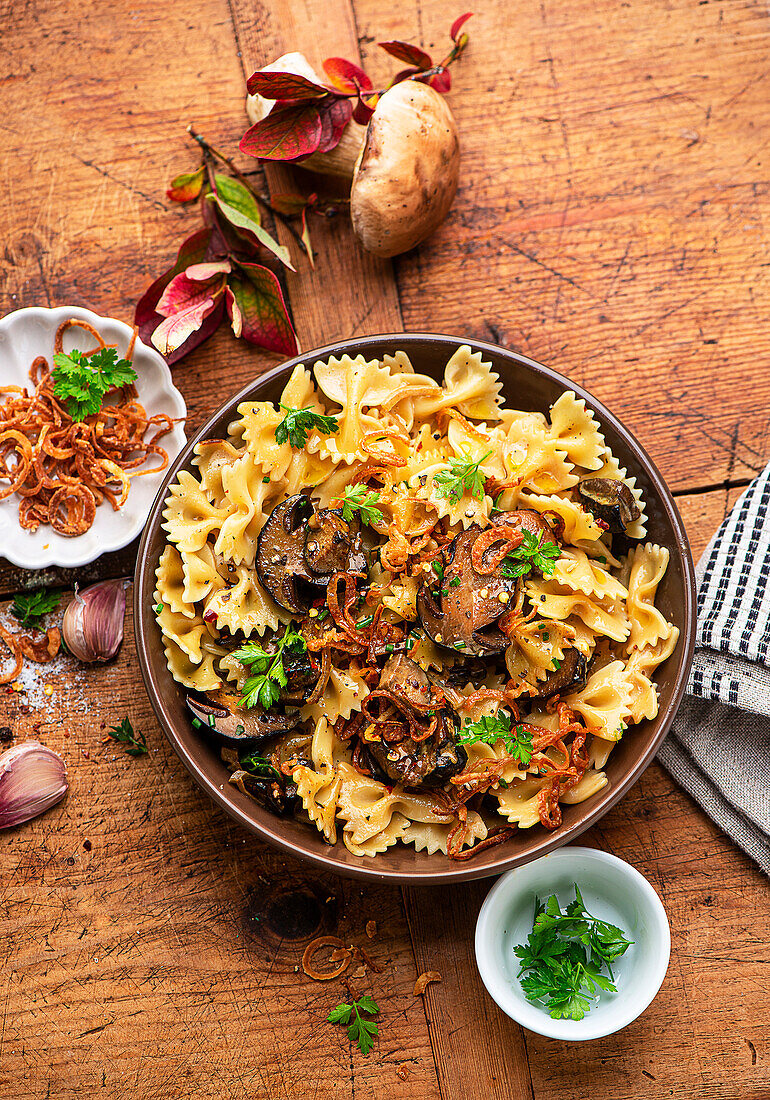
x=566, y=960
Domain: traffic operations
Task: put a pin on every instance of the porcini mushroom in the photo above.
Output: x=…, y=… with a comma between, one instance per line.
x=406, y=176
x=404, y=165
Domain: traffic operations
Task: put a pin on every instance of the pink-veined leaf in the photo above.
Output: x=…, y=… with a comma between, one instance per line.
x=334, y=119
x=405, y=51
x=442, y=81
x=264, y=317
x=459, y=22
x=346, y=77
x=287, y=133
x=176, y=329
x=193, y=285
x=186, y=187
x=306, y=239
x=237, y=195
x=191, y=251
x=241, y=221
x=289, y=202
x=272, y=85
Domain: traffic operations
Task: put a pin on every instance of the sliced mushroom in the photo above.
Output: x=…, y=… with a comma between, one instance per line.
x=333, y=545
x=461, y=610
x=426, y=763
x=268, y=791
x=610, y=502
x=239, y=729
x=300, y=548
x=570, y=676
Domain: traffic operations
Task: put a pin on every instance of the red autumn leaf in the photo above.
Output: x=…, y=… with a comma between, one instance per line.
x=146, y=317
x=408, y=53
x=289, y=203
x=191, y=286
x=273, y=85
x=334, y=119
x=186, y=187
x=287, y=133
x=458, y=24
x=364, y=108
x=261, y=309
x=174, y=331
x=345, y=76
x=441, y=81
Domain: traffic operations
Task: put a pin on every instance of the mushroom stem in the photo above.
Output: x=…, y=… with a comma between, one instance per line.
x=341, y=160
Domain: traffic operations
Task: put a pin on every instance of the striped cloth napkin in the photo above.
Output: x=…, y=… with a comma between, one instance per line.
x=719, y=748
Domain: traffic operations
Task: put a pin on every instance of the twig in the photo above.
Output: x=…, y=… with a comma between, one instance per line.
x=209, y=150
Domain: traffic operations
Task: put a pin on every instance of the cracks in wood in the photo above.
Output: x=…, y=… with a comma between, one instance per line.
x=127, y=186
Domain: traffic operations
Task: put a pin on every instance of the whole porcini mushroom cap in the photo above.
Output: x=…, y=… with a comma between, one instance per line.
x=407, y=172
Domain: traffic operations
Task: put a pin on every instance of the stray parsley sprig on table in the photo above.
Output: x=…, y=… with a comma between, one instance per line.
x=564, y=956
x=463, y=476
x=30, y=607
x=81, y=381
x=358, y=499
x=268, y=676
x=531, y=554
x=360, y=1031
x=490, y=730
x=135, y=740
x=298, y=423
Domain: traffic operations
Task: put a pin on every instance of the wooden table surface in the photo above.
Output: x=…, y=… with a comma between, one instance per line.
x=609, y=223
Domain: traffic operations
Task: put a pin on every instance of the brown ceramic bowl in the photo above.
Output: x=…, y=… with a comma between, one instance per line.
x=526, y=385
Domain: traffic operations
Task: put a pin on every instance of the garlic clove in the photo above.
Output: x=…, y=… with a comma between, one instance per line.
x=32, y=779
x=92, y=626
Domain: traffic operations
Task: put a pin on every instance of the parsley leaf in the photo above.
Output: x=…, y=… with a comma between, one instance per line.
x=463, y=476
x=297, y=423
x=256, y=764
x=563, y=958
x=81, y=381
x=357, y=498
x=268, y=676
x=125, y=733
x=360, y=1031
x=490, y=730
x=531, y=554
x=30, y=607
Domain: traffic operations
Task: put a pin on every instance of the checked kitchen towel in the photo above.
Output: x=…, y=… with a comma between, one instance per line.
x=719, y=748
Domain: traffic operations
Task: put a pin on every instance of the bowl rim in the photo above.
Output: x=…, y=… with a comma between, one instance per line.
x=367, y=869
x=115, y=529
x=636, y=1001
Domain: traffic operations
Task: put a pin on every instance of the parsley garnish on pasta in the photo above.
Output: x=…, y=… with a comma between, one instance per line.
x=298, y=423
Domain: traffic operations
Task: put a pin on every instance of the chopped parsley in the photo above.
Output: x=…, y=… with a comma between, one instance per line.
x=298, y=423
x=564, y=957
x=531, y=554
x=134, y=740
x=81, y=381
x=255, y=764
x=267, y=674
x=462, y=477
x=490, y=730
x=359, y=499
x=30, y=607
x=360, y=1031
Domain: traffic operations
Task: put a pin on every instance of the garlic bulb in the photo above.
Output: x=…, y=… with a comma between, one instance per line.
x=92, y=626
x=32, y=779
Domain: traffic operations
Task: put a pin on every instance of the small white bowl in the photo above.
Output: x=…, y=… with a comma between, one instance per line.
x=30, y=332
x=613, y=891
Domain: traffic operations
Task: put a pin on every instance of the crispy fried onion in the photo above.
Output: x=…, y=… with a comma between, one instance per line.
x=395, y=719
x=41, y=650
x=63, y=469
x=381, y=446
x=341, y=614
x=485, y=560
x=323, y=677
x=340, y=954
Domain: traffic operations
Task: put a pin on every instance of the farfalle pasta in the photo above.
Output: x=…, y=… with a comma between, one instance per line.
x=407, y=613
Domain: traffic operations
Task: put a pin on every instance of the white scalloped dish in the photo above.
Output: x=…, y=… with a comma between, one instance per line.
x=30, y=332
